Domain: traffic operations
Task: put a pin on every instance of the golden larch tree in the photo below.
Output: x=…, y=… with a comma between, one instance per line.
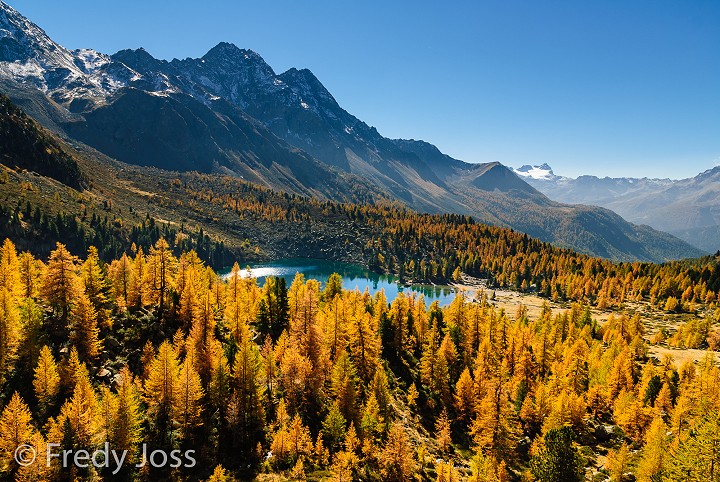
x=46, y=380
x=443, y=432
x=139, y=289
x=122, y=276
x=465, y=396
x=60, y=287
x=97, y=286
x=446, y=472
x=189, y=286
x=10, y=268
x=84, y=332
x=235, y=312
x=246, y=411
x=495, y=428
x=220, y=475
x=16, y=429
x=397, y=460
x=187, y=408
x=125, y=431
x=654, y=452
x=37, y=471
x=30, y=272
x=159, y=276
x=343, y=383
x=10, y=331
x=363, y=338
x=82, y=413
x=202, y=336
x=298, y=437
x=161, y=387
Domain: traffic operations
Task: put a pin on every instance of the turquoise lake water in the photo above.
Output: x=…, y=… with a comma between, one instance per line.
x=353, y=276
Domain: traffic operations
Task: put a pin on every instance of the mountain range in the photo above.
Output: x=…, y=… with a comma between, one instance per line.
x=687, y=208
x=229, y=112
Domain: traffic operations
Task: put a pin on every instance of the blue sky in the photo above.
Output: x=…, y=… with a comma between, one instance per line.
x=591, y=87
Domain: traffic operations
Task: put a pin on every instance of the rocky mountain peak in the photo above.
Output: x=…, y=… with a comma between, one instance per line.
x=304, y=83
x=139, y=60
x=494, y=176
x=229, y=55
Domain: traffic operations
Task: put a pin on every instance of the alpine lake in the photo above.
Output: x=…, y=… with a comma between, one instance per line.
x=353, y=277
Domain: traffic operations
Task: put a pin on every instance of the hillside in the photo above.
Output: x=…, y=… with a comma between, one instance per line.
x=210, y=271
x=26, y=146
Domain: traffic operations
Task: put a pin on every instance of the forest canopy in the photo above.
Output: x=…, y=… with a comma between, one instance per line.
x=156, y=350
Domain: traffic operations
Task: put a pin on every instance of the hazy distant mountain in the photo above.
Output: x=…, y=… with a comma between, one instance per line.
x=688, y=208
x=586, y=189
x=229, y=112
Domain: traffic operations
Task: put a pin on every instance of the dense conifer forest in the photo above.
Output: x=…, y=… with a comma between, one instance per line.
x=307, y=381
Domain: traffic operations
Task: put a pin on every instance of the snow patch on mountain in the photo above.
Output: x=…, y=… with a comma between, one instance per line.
x=541, y=172
x=90, y=60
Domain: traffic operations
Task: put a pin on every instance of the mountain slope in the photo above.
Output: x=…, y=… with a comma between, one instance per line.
x=177, y=132
x=25, y=146
x=689, y=209
x=230, y=113
x=495, y=195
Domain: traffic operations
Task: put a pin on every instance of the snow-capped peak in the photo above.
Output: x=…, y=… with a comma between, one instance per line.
x=541, y=172
x=29, y=56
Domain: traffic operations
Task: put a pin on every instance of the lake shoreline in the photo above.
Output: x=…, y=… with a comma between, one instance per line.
x=353, y=275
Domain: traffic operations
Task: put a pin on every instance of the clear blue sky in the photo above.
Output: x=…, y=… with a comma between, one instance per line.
x=600, y=87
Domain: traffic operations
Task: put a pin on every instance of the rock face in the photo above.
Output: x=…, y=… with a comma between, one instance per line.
x=230, y=112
